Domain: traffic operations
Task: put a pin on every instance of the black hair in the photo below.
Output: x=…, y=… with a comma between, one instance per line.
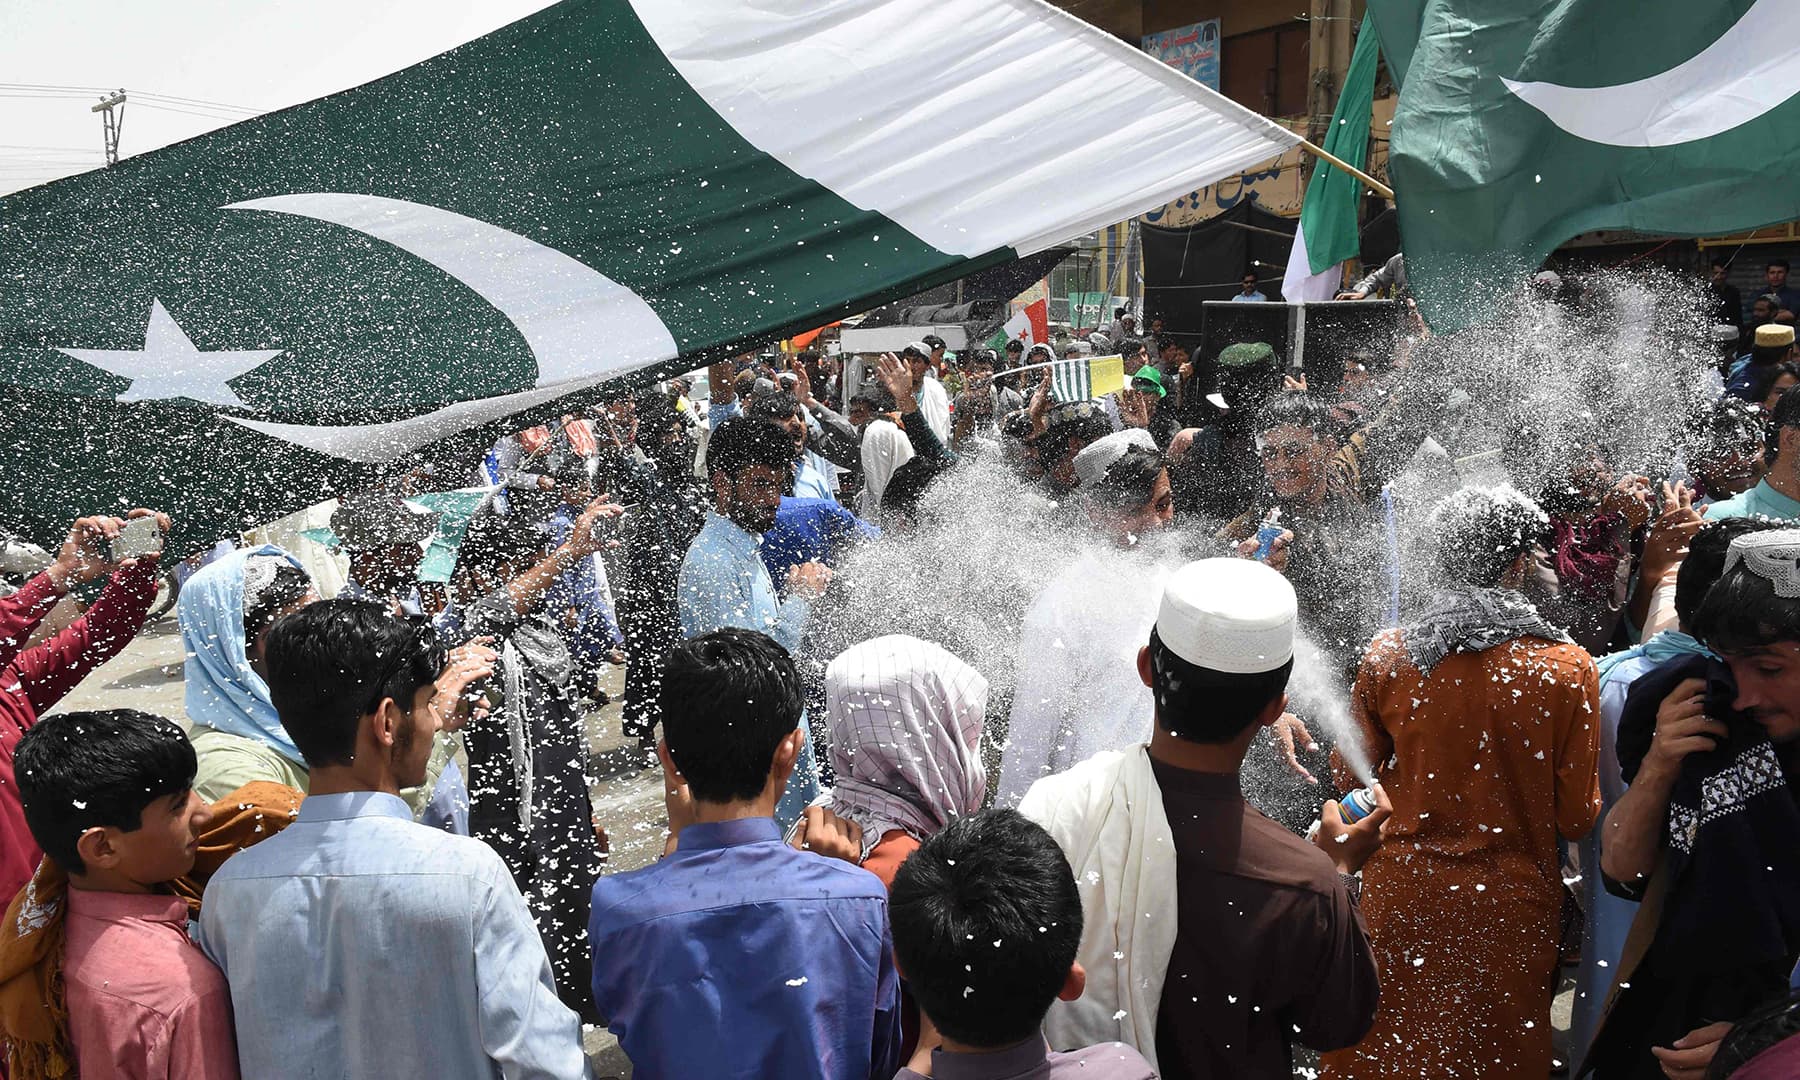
x=284, y=590
x=1298, y=410
x=867, y=400
x=1129, y=347
x=1206, y=706
x=987, y=922
x=984, y=358
x=933, y=340
x=776, y=406
x=1119, y=312
x=1785, y=414
x=1775, y=1022
x=745, y=441
x=493, y=540
x=1722, y=426
x=1015, y=343
x=83, y=770
x=332, y=663
x=1741, y=612
x=1772, y=263
x=1720, y=260
x=1129, y=482
x=1764, y=376
x=1252, y=274
x=728, y=699
x=655, y=412
x=1767, y=356
x=1477, y=534
x=1705, y=560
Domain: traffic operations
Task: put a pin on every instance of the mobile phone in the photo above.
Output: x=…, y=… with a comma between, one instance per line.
x=141, y=536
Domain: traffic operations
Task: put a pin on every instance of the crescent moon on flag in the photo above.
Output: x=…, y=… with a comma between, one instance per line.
x=561, y=306
x=1752, y=68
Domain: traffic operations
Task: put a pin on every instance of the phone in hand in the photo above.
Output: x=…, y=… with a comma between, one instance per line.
x=139, y=537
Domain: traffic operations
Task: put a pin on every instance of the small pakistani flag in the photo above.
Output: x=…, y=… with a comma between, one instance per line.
x=1328, y=231
x=248, y=322
x=1522, y=123
x=1083, y=378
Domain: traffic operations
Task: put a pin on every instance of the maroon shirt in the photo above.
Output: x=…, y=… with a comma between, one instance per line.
x=1270, y=950
x=39, y=677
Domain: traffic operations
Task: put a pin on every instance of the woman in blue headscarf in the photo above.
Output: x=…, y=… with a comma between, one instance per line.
x=226, y=610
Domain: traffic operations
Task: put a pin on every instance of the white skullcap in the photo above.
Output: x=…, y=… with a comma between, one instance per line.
x=1773, y=556
x=1098, y=456
x=1229, y=615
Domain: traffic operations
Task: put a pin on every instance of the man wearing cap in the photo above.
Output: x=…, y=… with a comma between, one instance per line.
x=1076, y=692
x=1777, y=494
x=1773, y=344
x=1262, y=946
x=384, y=539
x=1705, y=833
x=1068, y=429
x=934, y=402
x=1480, y=720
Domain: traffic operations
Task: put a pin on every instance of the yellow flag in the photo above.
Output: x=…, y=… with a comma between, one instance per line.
x=1106, y=375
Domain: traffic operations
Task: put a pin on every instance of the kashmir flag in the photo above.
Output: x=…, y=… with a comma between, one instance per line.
x=1083, y=378
x=248, y=322
x=1328, y=232
x=1521, y=123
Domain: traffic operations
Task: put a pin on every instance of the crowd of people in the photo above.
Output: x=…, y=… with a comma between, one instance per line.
x=1571, y=712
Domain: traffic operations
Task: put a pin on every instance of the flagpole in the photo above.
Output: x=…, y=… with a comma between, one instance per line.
x=1377, y=186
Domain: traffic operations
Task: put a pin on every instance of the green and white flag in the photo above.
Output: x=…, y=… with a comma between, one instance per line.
x=1522, y=123
x=607, y=190
x=1328, y=232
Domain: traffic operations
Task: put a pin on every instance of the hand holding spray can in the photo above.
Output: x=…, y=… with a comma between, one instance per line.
x=1357, y=805
x=1267, y=535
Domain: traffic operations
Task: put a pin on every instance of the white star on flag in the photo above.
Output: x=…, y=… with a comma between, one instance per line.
x=169, y=366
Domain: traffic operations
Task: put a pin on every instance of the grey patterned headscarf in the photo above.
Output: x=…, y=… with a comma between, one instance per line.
x=1469, y=620
x=906, y=719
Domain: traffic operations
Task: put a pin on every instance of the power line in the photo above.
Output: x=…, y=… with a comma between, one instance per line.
x=191, y=112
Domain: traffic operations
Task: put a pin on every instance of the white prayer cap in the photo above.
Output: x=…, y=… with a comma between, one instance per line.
x=1098, y=456
x=1230, y=615
x=1773, y=556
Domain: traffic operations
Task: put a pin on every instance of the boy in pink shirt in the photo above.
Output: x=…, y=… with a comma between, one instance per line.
x=109, y=797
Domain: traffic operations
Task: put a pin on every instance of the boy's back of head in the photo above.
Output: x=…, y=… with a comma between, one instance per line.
x=728, y=699
x=986, y=922
x=85, y=770
x=334, y=662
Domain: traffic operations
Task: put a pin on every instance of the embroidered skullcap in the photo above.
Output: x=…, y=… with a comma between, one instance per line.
x=1773, y=556
x=1774, y=335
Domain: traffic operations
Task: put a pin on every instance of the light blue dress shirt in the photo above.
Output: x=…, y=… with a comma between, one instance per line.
x=1760, y=501
x=1249, y=298
x=358, y=943
x=724, y=583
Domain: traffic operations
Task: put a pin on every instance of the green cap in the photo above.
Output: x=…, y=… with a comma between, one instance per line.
x=1148, y=374
x=1246, y=354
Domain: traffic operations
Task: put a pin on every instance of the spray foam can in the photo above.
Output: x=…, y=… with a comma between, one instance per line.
x=1357, y=805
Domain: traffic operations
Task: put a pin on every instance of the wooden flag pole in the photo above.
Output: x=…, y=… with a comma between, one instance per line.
x=1375, y=185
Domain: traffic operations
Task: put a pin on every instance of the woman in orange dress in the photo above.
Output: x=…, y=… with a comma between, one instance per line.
x=1483, y=724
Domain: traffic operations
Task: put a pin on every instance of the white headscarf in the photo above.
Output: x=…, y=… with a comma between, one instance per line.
x=906, y=719
x=884, y=449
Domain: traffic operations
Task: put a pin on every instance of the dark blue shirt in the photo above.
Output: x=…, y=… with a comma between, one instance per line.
x=738, y=956
x=809, y=530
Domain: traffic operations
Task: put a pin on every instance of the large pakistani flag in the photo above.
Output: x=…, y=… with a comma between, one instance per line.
x=606, y=191
x=1522, y=123
x=1328, y=232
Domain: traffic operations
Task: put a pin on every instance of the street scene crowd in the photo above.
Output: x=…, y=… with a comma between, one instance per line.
x=1558, y=731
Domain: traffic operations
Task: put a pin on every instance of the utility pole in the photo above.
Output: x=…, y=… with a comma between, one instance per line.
x=111, y=122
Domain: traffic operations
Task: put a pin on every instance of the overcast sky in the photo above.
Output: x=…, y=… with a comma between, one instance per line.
x=247, y=54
